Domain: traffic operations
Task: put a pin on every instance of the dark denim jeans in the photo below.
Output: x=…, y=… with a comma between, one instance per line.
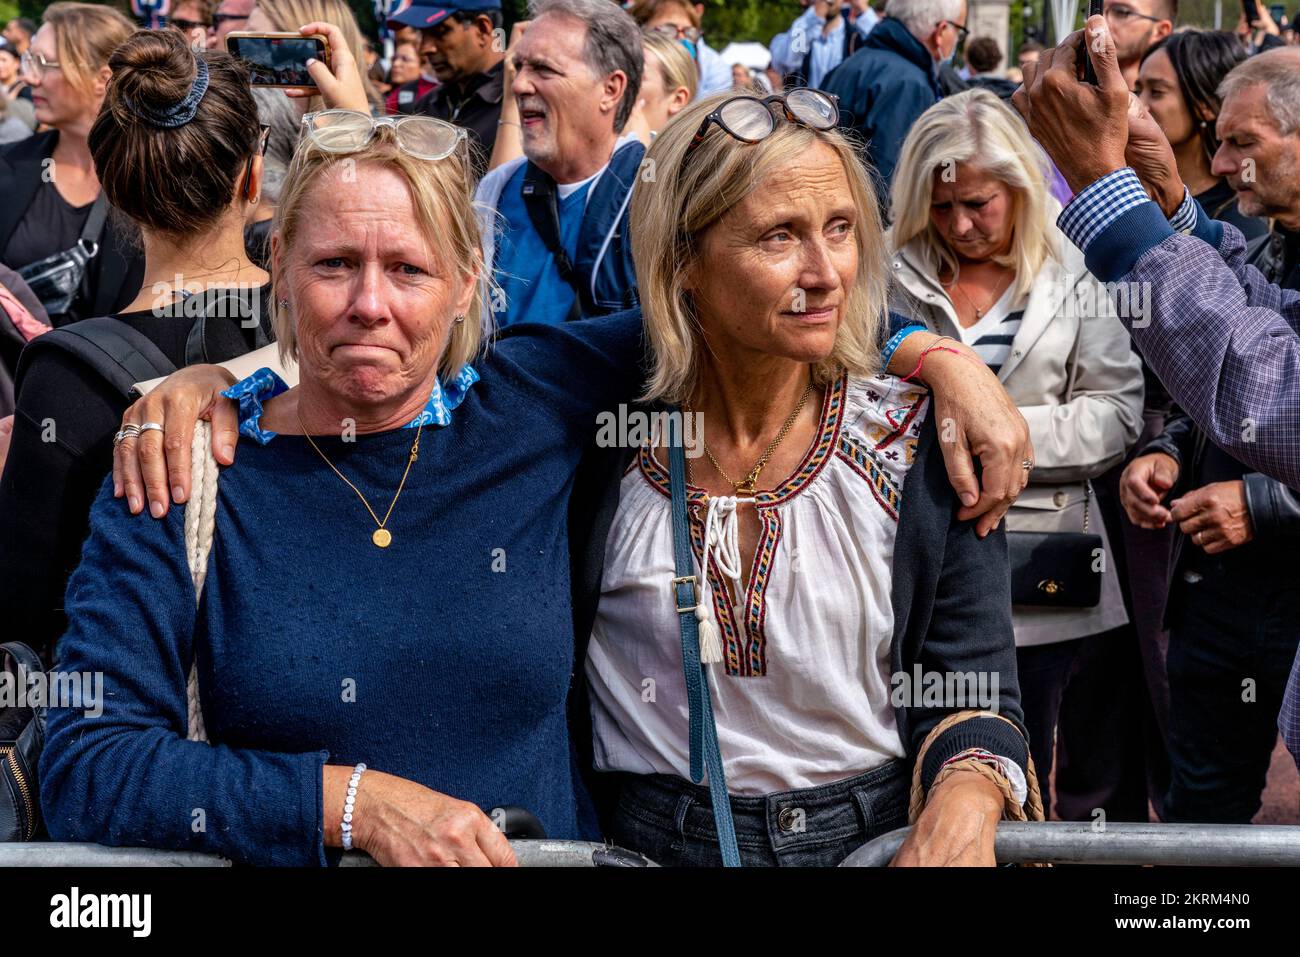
x=1233, y=620
x=670, y=820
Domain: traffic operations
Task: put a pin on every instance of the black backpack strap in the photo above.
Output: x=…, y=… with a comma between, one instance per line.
x=220, y=304
x=544, y=213
x=121, y=355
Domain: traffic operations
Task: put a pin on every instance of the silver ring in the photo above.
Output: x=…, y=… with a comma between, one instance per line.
x=1027, y=465
x=128, y=431
x=150, y=427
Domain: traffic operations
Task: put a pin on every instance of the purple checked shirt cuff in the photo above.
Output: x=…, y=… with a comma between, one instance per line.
x=1100, y=204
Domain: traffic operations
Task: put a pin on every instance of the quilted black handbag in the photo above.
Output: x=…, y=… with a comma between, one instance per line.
x=22, y=735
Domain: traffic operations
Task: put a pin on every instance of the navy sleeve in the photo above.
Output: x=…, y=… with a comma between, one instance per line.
x=123, y=773
x=575, y=370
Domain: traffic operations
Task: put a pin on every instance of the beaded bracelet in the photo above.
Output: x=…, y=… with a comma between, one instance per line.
x=349, y=803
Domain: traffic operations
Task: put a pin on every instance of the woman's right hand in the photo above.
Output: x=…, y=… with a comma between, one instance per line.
x=339, y=82
x=148, y=466
x=404, y=824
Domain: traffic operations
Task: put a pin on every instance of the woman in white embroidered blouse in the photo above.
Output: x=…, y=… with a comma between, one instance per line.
x=833, y=569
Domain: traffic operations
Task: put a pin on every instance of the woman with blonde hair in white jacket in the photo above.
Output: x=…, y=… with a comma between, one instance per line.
x=978, y=257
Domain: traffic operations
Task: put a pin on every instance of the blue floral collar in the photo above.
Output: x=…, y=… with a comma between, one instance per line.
x=264, y=385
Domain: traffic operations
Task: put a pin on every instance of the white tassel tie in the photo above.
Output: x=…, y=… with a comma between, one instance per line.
x=722, y=543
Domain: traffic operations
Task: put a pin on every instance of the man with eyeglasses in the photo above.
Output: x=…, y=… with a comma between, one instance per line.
x=894, y=78
x=461, y=43
x=230, y=15
x=1138, y=25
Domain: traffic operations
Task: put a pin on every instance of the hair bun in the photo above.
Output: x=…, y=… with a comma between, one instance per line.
x=153, y=70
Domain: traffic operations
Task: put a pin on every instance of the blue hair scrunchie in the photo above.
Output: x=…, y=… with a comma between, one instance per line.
x=178, y=114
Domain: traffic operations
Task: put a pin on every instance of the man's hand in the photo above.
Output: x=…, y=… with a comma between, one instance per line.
x=1152, y=158
x=1215, y=516
x=1084, y=128
x=1145, y=482
x=957, y=827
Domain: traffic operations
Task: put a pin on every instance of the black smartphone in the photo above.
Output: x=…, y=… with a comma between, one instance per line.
x=1251, y=9
x=278, y=59
x=1278, y=12
x=1089, y=71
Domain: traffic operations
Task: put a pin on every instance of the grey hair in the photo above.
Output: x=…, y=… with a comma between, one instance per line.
x=613, y=43
x=277, y=111
x=1279, y=72
x=921, y=16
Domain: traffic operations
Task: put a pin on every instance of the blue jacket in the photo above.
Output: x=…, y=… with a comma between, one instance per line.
x=604, y=256
x=883, y=88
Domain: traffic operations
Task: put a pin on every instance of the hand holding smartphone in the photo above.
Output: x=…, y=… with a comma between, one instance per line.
x=278, y=59
x=1089, y=71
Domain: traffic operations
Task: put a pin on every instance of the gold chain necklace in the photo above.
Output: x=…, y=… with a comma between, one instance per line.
x=748, y=487
x=382, y=537
x=979, y=313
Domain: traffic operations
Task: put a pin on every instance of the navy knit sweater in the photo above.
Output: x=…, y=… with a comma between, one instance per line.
x=445, y=659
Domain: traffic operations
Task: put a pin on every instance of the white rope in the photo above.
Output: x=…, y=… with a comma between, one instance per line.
x=200, y=528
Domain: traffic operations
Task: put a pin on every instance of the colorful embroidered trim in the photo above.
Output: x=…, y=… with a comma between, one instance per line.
x=863, y=461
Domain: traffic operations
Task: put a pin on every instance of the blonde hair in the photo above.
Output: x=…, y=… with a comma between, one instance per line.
x=444, y=214
x=85, y=34
x=676, y=65
x=670, y=214
x=288, y=15
x=973, y=127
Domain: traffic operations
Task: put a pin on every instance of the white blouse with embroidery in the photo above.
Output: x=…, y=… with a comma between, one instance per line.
x=802, y=695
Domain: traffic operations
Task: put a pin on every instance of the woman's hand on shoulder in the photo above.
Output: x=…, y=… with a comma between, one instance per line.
x=404, y=824
x=957, y=827
x=976, y=418
x=155, y=465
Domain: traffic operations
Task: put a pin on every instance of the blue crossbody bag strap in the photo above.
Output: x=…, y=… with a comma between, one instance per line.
x=703, y=730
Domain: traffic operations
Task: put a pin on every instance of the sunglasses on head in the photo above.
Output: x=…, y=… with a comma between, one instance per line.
x=751, y=119
x=346, y=131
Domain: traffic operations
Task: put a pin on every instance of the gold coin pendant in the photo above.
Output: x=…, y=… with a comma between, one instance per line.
x=382, y=537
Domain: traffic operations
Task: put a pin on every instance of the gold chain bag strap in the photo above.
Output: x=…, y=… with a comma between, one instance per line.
x=1011, y=809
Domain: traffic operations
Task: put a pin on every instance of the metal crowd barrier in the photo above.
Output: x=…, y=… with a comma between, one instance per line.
x=529, y=854
x=1056, y=842
x=1166, y=845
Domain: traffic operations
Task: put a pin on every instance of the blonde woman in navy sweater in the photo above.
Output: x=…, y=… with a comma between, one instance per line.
x=439, y=661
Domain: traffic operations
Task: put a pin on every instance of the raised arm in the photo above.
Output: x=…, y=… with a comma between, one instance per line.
x=1232, y=365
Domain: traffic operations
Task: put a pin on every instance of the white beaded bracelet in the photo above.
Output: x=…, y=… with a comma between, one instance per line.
x=348, y=803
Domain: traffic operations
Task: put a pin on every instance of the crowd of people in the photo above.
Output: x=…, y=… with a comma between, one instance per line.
x=973, y=370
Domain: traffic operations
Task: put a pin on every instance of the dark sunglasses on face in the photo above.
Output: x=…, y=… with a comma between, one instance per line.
x=185, y=26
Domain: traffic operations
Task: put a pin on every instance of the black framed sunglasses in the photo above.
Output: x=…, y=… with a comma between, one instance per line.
x=219, y=18
x=751, y=119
